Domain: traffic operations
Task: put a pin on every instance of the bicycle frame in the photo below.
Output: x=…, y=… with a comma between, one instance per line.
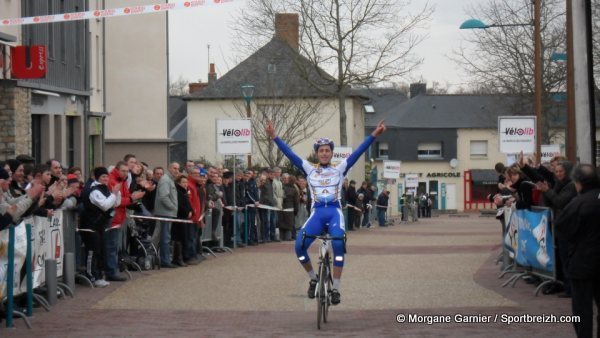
x=324, y=285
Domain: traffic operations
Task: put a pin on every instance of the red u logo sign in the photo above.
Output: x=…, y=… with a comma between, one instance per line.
x=29, y=62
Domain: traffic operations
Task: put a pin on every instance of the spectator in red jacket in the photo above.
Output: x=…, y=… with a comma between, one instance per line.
x=190, y=251
x=112, y=235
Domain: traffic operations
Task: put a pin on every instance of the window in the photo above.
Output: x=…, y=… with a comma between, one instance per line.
x=383, y=150
x=369, y=109
x=271, y=68
x=429, y=151
x=597, y=152
x=479, y=149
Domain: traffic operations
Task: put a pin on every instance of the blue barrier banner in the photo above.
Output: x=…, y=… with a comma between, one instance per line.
x=534, y=242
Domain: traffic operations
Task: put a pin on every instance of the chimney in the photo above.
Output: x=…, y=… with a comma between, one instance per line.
x=417, y=89
x=287, y=29
x=212, y=75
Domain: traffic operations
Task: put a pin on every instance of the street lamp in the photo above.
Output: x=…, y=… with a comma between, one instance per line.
x=537, y=34
x=248, y=94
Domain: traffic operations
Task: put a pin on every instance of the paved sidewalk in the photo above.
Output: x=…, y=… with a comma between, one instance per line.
x=438, y=266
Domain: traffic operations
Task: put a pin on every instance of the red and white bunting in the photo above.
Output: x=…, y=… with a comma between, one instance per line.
x=111, y=12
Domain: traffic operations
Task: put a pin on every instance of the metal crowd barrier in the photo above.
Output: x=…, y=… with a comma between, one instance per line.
x=519, y=271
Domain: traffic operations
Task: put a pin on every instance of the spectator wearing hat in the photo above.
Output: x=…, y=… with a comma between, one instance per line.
x=165, y=206
x=99, y=202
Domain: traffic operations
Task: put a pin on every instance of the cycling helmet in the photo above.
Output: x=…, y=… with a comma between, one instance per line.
x=323, y=141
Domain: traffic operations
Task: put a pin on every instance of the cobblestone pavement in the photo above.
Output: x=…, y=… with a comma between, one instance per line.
x=438, y=266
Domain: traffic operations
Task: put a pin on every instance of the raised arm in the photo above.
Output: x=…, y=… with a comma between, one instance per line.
x=351, y=160
x=285, y=149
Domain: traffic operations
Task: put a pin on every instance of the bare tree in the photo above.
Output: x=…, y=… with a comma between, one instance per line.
x=179, y=87
x=361, y=42
x=294, y=118
x=502, y=58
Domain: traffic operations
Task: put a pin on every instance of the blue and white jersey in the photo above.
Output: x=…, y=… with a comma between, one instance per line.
x=325, y=181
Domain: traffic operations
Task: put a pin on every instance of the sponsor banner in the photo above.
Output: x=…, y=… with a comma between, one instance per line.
x=391, y=169
x=516, y=134
x=549, y=151
x=47, y=242
x=529, y=238
x=234, y=137
x=20, y=252
x=340, y=154
x=110, y=12
x=411, y=180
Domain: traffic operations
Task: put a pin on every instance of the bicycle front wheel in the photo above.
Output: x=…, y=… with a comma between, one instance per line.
x=321, y=295
x=327, y=291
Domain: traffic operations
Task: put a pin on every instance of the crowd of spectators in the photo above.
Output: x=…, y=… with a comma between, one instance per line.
x=261, y=207
x=573, y=195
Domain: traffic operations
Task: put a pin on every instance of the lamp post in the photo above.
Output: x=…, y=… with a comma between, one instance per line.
x=248, y=94
x=537, y=62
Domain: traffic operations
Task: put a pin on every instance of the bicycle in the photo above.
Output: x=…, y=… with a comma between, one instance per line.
x=325, y=283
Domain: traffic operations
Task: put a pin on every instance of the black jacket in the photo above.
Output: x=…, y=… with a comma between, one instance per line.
x=183, y=202
x=579, y=225
x=351, y=195
x=382, y=201
x=524, y=194
x=251, y=191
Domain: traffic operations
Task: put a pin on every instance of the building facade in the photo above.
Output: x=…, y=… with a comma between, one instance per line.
x=451, y=143
x=99, y=98
x=279, y=75
x=51, y=117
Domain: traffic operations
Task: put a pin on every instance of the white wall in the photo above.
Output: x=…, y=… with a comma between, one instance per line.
x=136, y=74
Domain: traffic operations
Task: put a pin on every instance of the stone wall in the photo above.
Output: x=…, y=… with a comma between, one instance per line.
x=15, y=120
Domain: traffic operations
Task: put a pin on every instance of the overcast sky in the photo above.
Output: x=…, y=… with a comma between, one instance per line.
x=190, y=31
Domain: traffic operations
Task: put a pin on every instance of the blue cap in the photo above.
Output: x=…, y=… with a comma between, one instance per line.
x=203, y=172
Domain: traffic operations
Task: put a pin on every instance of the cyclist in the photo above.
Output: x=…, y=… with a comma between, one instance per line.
x=325, y=181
